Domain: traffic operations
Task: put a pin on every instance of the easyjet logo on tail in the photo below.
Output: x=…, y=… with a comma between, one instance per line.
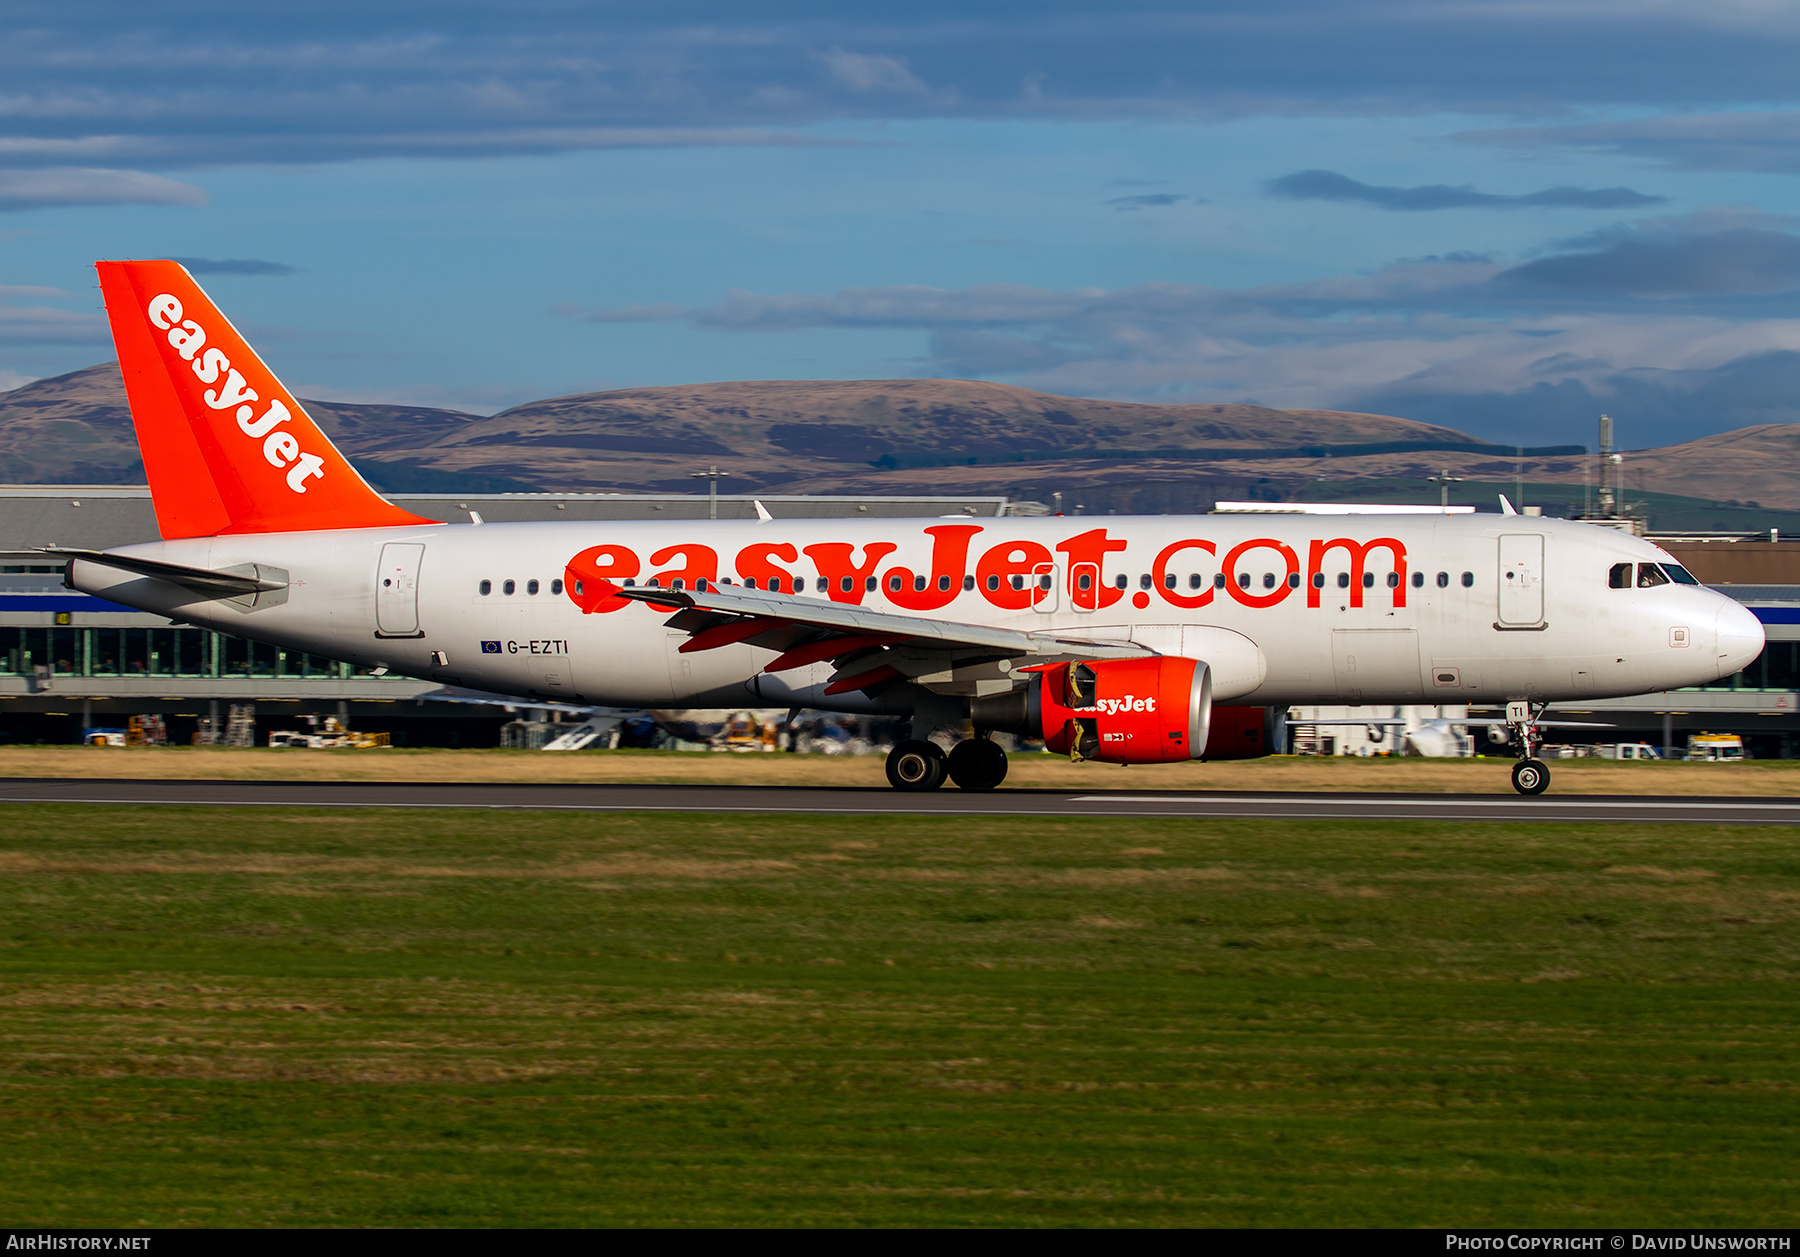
x=280, y=448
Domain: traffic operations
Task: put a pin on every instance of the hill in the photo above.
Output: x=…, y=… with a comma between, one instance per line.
x=76, y=429
x=901, y=437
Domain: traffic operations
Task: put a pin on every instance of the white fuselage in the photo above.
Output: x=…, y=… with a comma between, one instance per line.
x=1534, y=618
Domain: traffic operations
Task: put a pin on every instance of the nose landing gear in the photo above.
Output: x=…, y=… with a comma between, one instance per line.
x=974, y=764
x=1530, y=776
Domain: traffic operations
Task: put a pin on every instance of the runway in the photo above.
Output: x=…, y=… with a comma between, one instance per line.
x=1198, y=804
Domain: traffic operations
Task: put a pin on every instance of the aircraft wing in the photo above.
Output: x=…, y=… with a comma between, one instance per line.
x=869, y=649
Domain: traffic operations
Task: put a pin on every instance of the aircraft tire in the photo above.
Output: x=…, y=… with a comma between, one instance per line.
x=916, y=765
x=1531, y=776
x=977, y=764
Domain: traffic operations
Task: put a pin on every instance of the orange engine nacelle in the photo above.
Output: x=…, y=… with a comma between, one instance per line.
x=1123, y=711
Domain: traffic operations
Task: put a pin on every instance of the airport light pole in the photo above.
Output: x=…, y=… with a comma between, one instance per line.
x=1443, y=480
x=711, y=476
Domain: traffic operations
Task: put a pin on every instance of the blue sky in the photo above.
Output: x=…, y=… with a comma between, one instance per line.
x=1502, y=216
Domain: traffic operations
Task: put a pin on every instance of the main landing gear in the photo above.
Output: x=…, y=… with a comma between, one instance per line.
x=974, y=764
x=1530, y=775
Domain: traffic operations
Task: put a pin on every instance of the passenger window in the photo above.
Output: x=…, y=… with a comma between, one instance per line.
x=870, y=584
x=531, y=587
x=918, y=584
x=1468, y=580
x=1219, y=581
x=847, y=584
x=944, y=584
x=969, y=583
x=1393, y=580
x=1343, y=580
x=1085, y=581
x=993, y=582
x=1144, y=581
x=1619, y=576
x=1293, y=580
x=1679, y=574
x=1418, y=580
x=1318, y=580
x=1443, y=580
x=1268, y=580
x=1195, y=580
x=1650, y=576
x=486, y=587
x=1368, y=580
x=507, y=587
x=1243, y=580
x=824, y=584
x=556, y=586
x=1018, y=582
x=1121, y=580
x=1169, y=580
x=749, y=582
x=893, y=584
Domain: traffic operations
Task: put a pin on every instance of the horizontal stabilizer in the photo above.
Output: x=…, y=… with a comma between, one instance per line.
x=247, y=579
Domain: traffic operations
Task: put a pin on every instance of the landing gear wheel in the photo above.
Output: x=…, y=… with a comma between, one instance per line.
x=1530, y=776
x=915, y=765
x=977, y=764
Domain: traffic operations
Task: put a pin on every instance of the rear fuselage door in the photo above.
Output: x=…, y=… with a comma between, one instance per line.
x=1521, y=579
x=397, y=589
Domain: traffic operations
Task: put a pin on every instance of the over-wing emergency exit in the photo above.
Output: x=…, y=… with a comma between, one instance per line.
x=1126, y=640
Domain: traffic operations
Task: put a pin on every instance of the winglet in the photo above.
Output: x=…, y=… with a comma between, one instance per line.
x=227, y=449
x=762, y=512
x=1506, y=507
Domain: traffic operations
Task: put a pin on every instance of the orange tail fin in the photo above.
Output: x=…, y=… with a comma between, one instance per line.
x=226, y=448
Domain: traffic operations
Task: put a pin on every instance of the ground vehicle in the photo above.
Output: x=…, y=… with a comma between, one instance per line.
x=1629, y=750
x=1127, y=640
x=1715, y=748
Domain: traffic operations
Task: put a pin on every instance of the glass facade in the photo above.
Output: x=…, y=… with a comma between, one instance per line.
x=156, y=652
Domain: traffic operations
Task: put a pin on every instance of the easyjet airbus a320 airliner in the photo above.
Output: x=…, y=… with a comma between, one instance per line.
x=1129, y=640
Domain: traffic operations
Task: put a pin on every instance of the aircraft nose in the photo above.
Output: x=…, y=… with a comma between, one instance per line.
x=1741, y=637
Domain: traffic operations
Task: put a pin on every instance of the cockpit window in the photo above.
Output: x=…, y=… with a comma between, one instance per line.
x=1620, y=576
x=1650, y=575
x=1679, y=574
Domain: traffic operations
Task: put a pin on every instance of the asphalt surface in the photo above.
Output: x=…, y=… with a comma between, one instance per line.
x=946, y=802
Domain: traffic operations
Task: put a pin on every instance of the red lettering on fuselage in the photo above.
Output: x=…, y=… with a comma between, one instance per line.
x=1009, y=575
x=1359, y=557
x=949, y=563
x=845, y=579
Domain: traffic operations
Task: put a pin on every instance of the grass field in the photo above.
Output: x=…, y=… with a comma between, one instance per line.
x=219, y=1017
x=1050, y=772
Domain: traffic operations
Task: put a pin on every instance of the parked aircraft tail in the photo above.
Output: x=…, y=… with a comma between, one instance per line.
x=226, y=447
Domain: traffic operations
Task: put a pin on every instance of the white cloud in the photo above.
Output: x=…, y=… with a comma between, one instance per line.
x=863, y=72
x=73, y=185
